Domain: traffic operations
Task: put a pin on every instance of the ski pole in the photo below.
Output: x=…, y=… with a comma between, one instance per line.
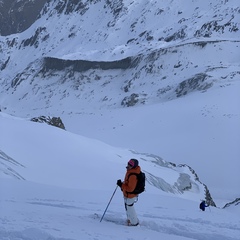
x=108, y=203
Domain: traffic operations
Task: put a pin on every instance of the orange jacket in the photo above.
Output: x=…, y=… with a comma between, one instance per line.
x=130, y=183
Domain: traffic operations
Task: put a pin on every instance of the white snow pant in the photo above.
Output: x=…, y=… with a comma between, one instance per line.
x=130, y=210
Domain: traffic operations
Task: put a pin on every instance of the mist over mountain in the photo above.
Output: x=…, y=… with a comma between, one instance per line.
x=73, y=58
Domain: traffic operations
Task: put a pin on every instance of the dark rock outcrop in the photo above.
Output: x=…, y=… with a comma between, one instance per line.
x=233, y=203
x=53, y=121
x=17, y=16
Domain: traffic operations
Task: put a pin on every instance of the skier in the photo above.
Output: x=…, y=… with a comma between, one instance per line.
x=128, y=186
x=203, y=205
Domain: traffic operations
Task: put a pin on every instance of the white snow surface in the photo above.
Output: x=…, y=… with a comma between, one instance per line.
x=69, y=181
x=56, y=184
x=36, y=211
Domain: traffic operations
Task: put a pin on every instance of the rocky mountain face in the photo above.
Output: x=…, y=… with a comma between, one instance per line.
x=155, y=51
x=18, y=15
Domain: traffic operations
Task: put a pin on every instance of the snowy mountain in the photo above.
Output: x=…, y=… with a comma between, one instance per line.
x=160, y=78
x=107, y=55
x=69, y=179
x=177, y=179
x=136, y=52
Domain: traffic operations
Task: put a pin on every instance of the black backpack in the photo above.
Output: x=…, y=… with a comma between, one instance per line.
x=140, y=187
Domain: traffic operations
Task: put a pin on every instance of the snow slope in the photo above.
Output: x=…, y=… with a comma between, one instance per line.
x=69, y=181
x=201, y=130
x=183, y=78
x=31, y=211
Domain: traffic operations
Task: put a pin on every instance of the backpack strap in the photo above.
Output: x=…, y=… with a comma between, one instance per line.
x=131, y=175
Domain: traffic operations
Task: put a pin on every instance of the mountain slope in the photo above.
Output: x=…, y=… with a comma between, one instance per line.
x=70, y=179
x=166, y=47
x=89, y=61
x=81, y=156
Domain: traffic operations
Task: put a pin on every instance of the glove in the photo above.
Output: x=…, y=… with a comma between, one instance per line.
x=119, y=183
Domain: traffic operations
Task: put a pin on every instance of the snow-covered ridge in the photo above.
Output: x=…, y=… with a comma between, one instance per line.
x=59, y=191
x=172, y=73
x=163, y=175
x=161, y=51
x=84, y=36
x=172, y=96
